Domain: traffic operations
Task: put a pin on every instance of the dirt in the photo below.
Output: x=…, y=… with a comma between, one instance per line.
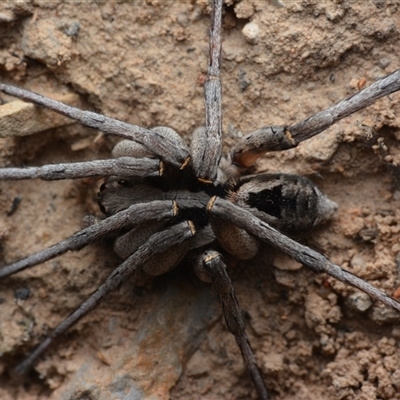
x=145, y=63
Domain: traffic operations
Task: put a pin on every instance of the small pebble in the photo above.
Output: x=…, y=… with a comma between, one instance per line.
x=384, y=62
x=359, y=301
x=251, y=32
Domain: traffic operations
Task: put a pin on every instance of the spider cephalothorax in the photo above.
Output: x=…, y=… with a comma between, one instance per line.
x=166, y=200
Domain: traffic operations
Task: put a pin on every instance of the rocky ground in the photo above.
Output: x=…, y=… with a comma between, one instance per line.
x=145, y=63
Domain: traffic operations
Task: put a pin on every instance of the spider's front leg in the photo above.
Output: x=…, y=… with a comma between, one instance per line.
x=206, y=145
x=127, y=166
x=272, y=138
x=171, y=149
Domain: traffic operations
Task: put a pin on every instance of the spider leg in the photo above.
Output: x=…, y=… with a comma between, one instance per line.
x=123, y=166
x=135, y=214
x=272, y=138
x=303, y=254
x=129, y=148
x=18, y=118
x=157, y=243
x=159, y=264
x=158, y=143
x=206, y=143
x=212, y=268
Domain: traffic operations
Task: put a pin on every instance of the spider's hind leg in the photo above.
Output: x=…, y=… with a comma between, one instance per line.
x=211, y=268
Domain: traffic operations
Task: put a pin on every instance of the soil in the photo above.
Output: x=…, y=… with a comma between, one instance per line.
x=164, y=338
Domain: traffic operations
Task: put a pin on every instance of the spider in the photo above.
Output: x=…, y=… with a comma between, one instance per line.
x=126, y=184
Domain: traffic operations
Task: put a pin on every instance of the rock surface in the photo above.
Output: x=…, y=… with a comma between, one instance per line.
x=145, y=63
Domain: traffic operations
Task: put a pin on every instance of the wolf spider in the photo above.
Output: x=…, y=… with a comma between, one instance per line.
x=168, y=202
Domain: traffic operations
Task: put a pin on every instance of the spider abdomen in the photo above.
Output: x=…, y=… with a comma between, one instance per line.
x=291, y=203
